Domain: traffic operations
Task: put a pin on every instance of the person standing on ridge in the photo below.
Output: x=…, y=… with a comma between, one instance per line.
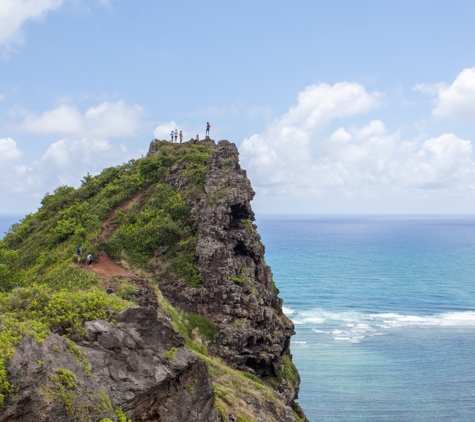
x=79, y=253
x=207, y=129
x=181, y=136
x=171, y=136
x=176, y=135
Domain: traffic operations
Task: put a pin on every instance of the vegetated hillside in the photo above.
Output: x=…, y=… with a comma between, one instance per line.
x=195, y=328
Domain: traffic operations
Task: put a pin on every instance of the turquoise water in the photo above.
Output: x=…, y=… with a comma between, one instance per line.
x=384, y=310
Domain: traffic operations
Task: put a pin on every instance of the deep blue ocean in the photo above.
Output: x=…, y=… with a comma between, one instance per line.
x=384, y=310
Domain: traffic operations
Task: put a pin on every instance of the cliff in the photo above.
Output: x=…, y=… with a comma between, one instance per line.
x=195, y=328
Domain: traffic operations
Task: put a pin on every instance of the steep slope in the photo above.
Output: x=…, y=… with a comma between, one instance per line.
x=237, y=291
x=175, y=236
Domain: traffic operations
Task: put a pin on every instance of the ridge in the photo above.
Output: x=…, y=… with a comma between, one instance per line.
x=175, y=236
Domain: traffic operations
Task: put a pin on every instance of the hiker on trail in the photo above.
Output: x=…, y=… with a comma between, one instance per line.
x=181, y=136
x=94, y=241
x=176, y=135
x=171, y=136
x=197, y=137
x=207, y=129
x=89, y=261
x=79, y=253
x=109, y=291
x=232, y=418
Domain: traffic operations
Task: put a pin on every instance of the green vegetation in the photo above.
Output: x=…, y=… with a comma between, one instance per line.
x=171, y=353
x=43, y=290
x=237, y=280
x=79, y=355
x=38, y=310
x=290, y=370
x=205, y=326
x=81, y=404
x=42, y=247
x=120, y=417
x=247, y=224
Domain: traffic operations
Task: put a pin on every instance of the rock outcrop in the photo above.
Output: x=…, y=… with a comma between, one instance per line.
x=139, y=364
x=237, y=291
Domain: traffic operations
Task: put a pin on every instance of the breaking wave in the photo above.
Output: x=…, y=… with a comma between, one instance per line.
x=355, y=326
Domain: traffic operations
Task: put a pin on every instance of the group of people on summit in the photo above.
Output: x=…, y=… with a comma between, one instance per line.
x=174, y=134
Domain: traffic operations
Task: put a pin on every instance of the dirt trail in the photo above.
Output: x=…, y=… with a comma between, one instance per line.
x=108, y=228
x=110, y=271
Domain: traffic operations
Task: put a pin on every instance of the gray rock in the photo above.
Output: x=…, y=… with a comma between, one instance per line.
x=128, y=364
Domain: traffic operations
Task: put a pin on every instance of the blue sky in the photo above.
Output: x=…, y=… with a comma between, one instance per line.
x=336, y=107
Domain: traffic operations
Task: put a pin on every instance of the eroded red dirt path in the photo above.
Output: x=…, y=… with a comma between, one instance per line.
x=110, y=271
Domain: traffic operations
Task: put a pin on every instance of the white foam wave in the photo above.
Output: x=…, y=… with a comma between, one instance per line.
x=355, y=326
x=287, y=311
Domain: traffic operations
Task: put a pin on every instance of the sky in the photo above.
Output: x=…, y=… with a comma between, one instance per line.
x=341, y=107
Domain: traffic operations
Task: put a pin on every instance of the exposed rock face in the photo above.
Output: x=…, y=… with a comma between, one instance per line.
x=237, y=291
x=140, y=363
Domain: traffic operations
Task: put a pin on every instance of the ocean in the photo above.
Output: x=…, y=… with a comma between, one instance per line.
x=384, y=312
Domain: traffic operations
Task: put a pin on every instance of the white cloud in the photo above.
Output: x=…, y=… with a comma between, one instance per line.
x=283, y=154
x=107, y=120
x=429, y=89
x=2, y=96
x=113, y=120
x=14, y=13
x=64, y=119
x=9, y=150
x=163, y=130
x=295, y=158
x=65, y=162
x=85, y=146
x=456, y=101
x=319, y=104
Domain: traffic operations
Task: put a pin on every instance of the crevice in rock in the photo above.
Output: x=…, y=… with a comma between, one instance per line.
x=242, y=250
x=238, y=212
x=260, y=367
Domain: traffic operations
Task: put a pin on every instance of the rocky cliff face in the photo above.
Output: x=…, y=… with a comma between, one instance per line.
x=237, y=291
